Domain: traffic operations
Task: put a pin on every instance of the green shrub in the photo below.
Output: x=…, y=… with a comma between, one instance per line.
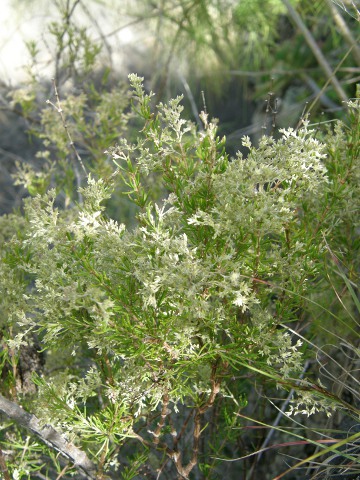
x=146, y=328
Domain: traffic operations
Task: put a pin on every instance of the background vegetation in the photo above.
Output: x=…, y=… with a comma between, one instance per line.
x=179, y=295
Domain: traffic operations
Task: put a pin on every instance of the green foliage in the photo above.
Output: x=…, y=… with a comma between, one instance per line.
x=226, y=277
x=163, y=316
x=93, y=121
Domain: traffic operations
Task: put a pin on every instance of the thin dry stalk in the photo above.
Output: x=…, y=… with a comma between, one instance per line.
x=344, y=30
x=330, y=75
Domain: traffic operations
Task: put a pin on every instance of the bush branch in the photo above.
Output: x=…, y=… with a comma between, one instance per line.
x=49, y=436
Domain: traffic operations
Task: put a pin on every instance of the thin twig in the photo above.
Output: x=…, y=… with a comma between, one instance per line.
x=184, y=471
x=282, y=72
x=60, y=41
x=329, y=80
x=62, y=473
x=342, y=6
x=195, y=452
x=344, y=30
x=164, y=413
x=191, y=100
x=330, y=75
x=98, y=27
x=281, y=413
x=59, y=109
x=182, y=431
x=324, y=99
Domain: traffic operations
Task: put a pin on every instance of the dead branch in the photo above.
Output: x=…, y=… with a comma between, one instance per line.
x=49, y=436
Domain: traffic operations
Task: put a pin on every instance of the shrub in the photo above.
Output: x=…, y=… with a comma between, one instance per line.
x=146, y=329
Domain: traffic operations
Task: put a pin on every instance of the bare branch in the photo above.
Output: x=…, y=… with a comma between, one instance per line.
x=345, y=31
x=49, y=436
x=330, y=75
x=164, y=413
x=59, y=109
